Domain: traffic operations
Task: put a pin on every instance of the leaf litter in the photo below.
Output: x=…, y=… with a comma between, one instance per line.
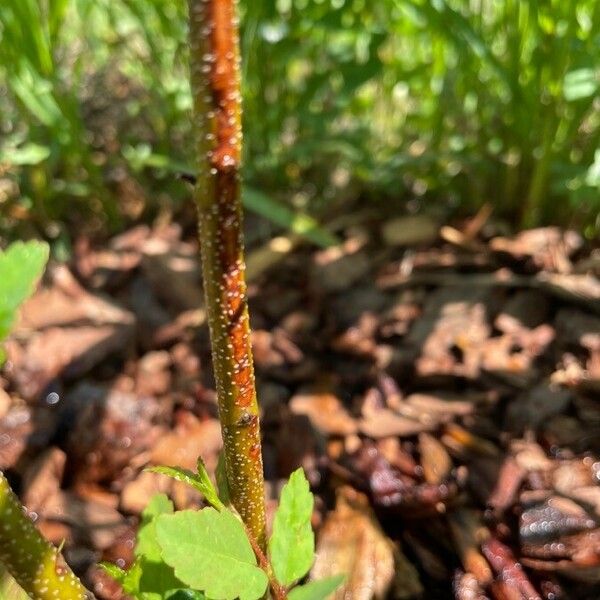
x=440, y=388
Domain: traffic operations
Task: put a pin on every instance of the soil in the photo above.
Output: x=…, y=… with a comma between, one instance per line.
x=439, y=385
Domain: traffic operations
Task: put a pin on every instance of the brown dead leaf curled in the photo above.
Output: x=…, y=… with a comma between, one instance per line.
x=352, y=542
x=326, y=412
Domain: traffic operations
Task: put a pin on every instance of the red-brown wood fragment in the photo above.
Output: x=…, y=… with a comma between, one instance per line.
x=512, y=580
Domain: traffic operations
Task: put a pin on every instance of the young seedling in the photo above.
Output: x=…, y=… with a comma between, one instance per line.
x=210, y=554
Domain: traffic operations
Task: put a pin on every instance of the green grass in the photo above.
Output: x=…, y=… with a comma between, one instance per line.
x=445, y=102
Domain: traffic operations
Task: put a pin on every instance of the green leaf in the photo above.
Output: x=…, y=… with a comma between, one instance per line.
x=208, y=489
x=185, y=595
x=115, y=572
x=129, y=580
x=21, y=265
x=159, y=504
x=150, y=578
x=28, y=154
x=278, y=213
x=581, y=83
x=200, y=481
x=147, y=545
x=316, y=590
x=157, y=580
x=210, y=552
x=141, y=157
x=292, y=545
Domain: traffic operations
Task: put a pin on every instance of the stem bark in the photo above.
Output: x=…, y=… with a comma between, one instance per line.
x=215, y=81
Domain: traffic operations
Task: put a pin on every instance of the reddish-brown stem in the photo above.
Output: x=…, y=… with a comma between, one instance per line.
x=279, y=592
x=215, y=83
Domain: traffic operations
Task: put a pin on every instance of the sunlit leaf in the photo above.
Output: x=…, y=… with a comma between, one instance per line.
x=581, y=83
x=21, y=265
x=292, y=545
x=200, y=481
x=317, y=590
x=278, y=213
x=28, y=154
x=147, y=545
x=210, y=552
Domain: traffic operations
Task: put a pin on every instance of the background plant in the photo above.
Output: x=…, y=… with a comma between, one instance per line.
x=21, y=265
x=451, y=103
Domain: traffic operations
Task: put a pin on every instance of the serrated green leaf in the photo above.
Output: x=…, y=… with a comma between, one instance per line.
x=115, y=572
x=131, y=583
x=292, y=545
x=21, y=265
x=147, y=545
x=159, y=504
x=200, y=481
x=129, y=580
x=210, y=552
x=147, y=580
x=210, y=493
x=157, y=580
x=316, y=590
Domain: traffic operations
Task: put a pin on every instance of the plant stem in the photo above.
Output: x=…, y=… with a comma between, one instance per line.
x=279, y=592
x=215, y=81
x=35, y=564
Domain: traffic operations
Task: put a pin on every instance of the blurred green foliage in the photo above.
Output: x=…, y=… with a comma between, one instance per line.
x=21, y=266
x=444, y=103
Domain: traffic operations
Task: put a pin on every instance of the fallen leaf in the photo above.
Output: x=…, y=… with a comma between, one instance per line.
x=385, y=423
x=352, y=543
x=325, y=411
x=435, y=460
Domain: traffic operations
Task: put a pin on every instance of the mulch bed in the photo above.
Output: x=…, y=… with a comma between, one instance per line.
x=440, y=387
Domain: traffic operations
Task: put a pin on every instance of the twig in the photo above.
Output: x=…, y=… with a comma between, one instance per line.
x=278, y=590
